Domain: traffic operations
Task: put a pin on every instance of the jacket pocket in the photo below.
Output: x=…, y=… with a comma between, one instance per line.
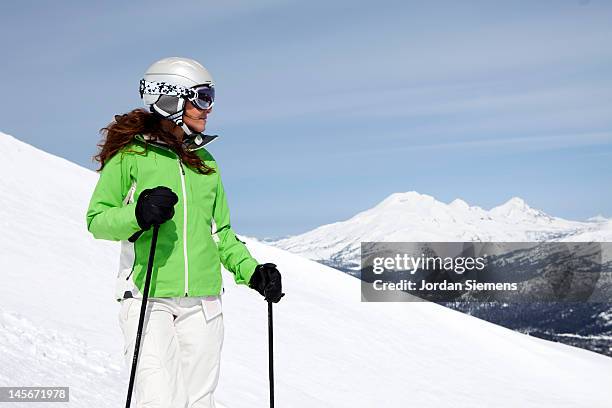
x=127, y=328
x=124, y=310
x=211, y=305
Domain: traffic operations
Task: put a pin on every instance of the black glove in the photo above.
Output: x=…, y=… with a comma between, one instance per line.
x=267, y=281
x=155, y=206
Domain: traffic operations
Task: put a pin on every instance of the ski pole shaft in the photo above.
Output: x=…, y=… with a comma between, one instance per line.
x=143, y=308
x=270, y=355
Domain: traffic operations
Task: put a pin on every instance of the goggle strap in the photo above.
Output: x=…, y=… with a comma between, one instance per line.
x=163, y=88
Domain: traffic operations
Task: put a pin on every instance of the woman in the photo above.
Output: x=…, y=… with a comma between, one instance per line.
x=154, y=170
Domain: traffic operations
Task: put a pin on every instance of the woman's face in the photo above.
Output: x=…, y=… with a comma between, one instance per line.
x=195, y=118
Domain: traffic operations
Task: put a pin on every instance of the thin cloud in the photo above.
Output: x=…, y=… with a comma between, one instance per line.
x=533, y=143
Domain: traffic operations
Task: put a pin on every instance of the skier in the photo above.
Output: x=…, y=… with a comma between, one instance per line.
x=154, y=170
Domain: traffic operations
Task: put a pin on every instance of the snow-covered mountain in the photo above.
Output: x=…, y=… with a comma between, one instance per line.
x=414, y=217
x=58, y=323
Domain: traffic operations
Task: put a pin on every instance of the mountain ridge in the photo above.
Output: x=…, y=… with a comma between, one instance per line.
x=413, y=217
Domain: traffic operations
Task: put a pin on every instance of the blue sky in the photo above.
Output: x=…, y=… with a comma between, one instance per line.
x=325, y=108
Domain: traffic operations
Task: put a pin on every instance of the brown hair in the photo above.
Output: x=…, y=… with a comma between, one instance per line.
x=122, y=130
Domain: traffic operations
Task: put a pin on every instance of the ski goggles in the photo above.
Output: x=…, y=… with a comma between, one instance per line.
x=201, y=96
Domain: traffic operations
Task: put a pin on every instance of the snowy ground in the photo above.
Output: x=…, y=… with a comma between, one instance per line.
x=58, y=323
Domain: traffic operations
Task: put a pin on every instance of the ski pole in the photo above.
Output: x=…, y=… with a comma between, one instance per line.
x=143, y=308
x=270, y=355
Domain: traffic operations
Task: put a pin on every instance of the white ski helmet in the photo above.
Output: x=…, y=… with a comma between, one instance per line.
x=169, y=82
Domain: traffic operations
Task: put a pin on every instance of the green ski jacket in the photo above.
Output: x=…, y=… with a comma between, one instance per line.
x=191, y=246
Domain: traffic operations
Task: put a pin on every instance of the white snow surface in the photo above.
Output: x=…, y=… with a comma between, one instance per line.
x=58, y=321
x=415, y=217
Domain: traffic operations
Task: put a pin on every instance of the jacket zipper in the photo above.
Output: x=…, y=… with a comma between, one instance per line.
x=182, y=174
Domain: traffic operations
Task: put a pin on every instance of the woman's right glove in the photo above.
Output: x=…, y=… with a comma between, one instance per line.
x=267, y=281
x=155, y=206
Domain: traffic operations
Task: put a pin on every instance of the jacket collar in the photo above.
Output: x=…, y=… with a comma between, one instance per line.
x=191, y=142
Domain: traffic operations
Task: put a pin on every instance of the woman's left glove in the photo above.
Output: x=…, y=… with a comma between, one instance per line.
x=267, y=281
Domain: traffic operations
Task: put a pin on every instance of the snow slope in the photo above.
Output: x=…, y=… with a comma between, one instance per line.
x=414, y=217
x=58, y=323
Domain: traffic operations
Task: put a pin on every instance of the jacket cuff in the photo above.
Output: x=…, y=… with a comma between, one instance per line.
x=130, y=220
x=247, y=269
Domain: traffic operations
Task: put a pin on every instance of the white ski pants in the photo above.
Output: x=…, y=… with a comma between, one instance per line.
x=180, y=350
